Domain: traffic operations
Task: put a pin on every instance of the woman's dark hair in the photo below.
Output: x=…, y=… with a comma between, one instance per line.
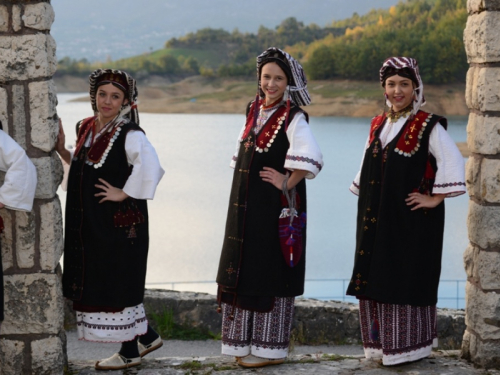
x=279, y=59
x=403, y=72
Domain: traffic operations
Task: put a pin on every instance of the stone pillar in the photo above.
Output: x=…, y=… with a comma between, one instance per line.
x=481, y=342
x=32, y=337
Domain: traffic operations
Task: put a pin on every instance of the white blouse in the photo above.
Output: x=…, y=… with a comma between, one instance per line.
x=18, y=189
x=146, y=172
x=303, y=153
x=450, y=174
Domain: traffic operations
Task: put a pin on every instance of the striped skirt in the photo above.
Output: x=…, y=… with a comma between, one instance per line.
x=397, y=333
x=265, y=335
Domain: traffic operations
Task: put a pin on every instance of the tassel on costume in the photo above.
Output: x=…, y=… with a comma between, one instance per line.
x=303, y=219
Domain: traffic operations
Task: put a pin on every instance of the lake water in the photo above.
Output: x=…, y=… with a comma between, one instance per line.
x=187, y=216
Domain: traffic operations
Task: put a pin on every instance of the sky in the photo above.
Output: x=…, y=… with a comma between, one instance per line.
x=112, y=29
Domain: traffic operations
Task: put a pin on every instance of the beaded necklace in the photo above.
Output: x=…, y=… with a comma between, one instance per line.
x=264, y=113
x=395, y=116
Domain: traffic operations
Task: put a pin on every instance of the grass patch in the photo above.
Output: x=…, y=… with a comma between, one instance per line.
x=333, y=357
x=193, y=365
x=168, y=329
x=216, y=367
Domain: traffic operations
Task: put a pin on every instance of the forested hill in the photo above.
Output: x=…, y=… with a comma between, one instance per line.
x=354, y=48
x=429, y=30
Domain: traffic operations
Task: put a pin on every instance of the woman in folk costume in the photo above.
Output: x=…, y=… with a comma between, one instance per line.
x=113, y=171
x=275, y=152
x=18, y=189
x=410, y=165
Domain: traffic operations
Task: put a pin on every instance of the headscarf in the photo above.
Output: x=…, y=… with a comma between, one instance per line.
x=124, y=82
x=297, y=81
x=398, y=65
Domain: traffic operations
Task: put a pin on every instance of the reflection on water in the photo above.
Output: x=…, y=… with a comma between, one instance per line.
x=187, y=216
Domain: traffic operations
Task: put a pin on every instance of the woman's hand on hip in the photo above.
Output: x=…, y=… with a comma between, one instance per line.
x=110, y=193
x=418, y=200
x=273, y=177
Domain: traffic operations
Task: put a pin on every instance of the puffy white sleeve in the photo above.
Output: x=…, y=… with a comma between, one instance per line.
x=450, y=174
x=18, y=189
x=238, y=143
x=304, y=152
x=147, y=171
x=355, y=184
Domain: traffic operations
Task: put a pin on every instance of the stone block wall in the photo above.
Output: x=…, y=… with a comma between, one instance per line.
x=32, y=338
x=481, y=342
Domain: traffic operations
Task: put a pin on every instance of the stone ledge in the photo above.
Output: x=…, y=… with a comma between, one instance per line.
x=315, y=322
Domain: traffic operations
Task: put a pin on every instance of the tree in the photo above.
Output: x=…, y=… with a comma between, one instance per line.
x=168, y=64
x=191, y=66
x=322, y=64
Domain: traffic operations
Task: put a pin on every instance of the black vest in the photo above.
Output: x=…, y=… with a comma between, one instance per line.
x=251, y=262
x=398, y=251
x=105, y=254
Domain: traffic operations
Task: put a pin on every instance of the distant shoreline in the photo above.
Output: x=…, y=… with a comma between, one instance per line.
x=330, y=98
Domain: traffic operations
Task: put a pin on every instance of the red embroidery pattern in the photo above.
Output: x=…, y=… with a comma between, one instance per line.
x=409, y=143
x=403, y=328
x=376, y=123
x=268, y=133
x=101, y=147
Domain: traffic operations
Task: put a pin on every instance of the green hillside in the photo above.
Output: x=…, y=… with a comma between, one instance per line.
x=429, y=30
x=354, y=48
